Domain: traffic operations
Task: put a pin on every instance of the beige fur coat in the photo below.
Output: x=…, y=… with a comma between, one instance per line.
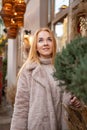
x=38, y=100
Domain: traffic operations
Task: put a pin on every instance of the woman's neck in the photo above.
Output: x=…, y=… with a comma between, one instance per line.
x=45, y=60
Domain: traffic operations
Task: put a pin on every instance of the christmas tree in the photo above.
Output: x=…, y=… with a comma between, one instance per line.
x=71, y=67
x=71, y=71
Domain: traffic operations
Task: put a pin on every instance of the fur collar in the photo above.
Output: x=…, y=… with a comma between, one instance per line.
x=38, y=74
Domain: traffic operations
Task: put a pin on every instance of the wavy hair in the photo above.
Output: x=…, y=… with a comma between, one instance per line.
x=33, y=55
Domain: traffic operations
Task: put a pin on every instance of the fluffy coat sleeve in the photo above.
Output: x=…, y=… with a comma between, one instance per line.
x=21, y=106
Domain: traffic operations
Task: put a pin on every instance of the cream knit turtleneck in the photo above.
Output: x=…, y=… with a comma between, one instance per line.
x=48, y=67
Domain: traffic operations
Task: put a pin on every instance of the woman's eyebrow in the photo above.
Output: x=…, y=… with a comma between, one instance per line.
x=43, y=38
x=40, y=38
x=50, y=37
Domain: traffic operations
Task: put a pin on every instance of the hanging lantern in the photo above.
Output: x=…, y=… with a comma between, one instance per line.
x=12, y=14
x=6, y=1
x=12, y=30
x=6, y=18
x=7, y=6
x=7, y=21
x=13, y=2
x=20, y=6
x=7, y=10
x=6, y=13
x=19, y=19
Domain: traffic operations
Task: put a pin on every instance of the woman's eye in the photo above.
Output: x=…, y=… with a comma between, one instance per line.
x=49, y=39
x=40, y=40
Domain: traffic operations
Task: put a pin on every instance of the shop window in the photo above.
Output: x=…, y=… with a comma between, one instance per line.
x=61, y=30
x=60, y=4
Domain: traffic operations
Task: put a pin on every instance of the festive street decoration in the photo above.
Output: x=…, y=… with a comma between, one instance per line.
x=71, y=67
x=71, y=72
x=12, y=14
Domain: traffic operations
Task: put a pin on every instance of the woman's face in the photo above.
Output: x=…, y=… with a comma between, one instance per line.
x=44, y=44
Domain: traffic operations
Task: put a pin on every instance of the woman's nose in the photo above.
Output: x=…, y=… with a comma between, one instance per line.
x=45, y=42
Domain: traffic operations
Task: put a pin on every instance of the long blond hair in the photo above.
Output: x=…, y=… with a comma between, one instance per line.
x=33, y=55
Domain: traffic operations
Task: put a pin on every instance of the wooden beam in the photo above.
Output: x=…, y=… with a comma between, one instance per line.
x=59, y=16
